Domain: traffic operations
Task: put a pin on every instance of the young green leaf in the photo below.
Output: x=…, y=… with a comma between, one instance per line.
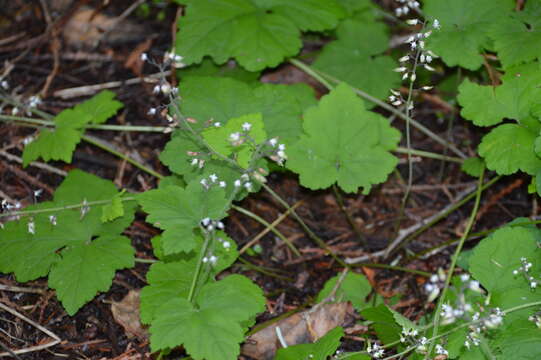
x=354, y=288
x=384, y=323
x=211, y=328
x=509, y=148
x=473, y=166
x=351, y=58
x=321, y=349
x=344, y=143
x=517, y=37
x=256, y=34
x=113, y=210
x=78, y=251
x=219, y=138
x=179, y=212
x=59, y=143
x=465, y=25
x=515, y=99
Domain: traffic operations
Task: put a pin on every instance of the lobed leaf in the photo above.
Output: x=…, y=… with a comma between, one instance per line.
x=256, y=33
x=343, y=143
x=354, y=288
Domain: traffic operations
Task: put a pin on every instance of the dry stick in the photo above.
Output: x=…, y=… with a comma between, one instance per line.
x=423, y=225
x=36, y=325
x=40, y=165
x=118, y=19
x=21, y=289
x=321, y=76
x=92, y=89
x=454, y=260
x=307, y=229
x=269, y=227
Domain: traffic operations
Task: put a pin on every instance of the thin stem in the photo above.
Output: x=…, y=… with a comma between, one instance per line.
x=49, y=123
x=427, y=154
x=263, y=270
x=309, y=231
x=271, y=227
x=316, y=74
x=60, y=208
x=454, y=260
x=351, y=222
x=195, y=278
x=94, y=141
x=395, y=268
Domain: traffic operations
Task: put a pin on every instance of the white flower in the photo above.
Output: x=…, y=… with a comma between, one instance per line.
x=234, y=136
x=213, y=259
x=226, y=244
x=203, y=182
x=222, y=184
x=37, y=193
x=144, y=57
x=248, y=186
x=220, y=225
x=52, y=219
x=152, y=111
x=217, y=124
x=4, y=84
x=205, y=221
x=281, y=147
x=213, y=177
x=165, y=88
x=31, y=227
x=237, y=183
x=412, y=21
x=436, y=24
x=194, y=162
x=273, y=142
x=246, y=126
x=401, y=69
x=404, y=58
x=156, y=89
x=440, y=350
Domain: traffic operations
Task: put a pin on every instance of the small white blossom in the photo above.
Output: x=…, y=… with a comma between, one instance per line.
x=52, y=219
x=234, y=136
x=400, y=69
x=4, y=84
x=165, y=88
x=440, y=350
x=152, y=111
x=281, y=147
x=156, y=89
x=220, y=225
x=194, y=162
x=248, y=186
x=222, y=184
x=436, y=24
x=31, y=226
x=412, y=21
x=213, y=259
x=404, y=58
x=205, y=260
x=38, y=193
x=217, y=124
x=203, y=182
x=273, y=142
x=206, y=221
x=213, y=177
x=237, y=183
x=226, y=244
x=246, y=126
x=144, y=57
x=14, y=111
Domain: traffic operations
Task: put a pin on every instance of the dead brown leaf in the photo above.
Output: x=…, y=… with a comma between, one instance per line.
x=301, y=328
x=126, y=313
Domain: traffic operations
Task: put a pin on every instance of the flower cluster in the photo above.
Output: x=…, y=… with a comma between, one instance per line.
x=375, y=351
x=405, y=6
x=434, y=285
x=277, y=151
x=212, y=180
x=226, y=244
x=524, y=269
x=7, y=206
x=211, y=225
x=491, y=321
x=244, y=181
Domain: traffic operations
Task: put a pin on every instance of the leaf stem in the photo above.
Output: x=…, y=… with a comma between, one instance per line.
x=427, y=154
x=469, y=226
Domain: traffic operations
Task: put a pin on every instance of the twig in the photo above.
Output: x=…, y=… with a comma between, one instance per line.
x=92, y=89
x=21, y=289
x=40, y=165
x=269, y=227
x=36, y=325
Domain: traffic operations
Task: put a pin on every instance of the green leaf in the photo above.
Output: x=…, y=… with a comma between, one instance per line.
x=351, y=58
x=59, y=143
x=495, y=259
x=465, y=25
x=113, y=210
x=385, y=324
x=354, y=288
x=219, y=138
x=208, y=68
x=257, y=34
x=179, y=211
x=357, y=6
x=515, y=99
x=100, y=107
x=517, y=37
x=509, y=148
x=80, y=252
x=321, y=349
x=522, y=341
x=473, y=166
x=344, y=143
x=211, y=329
x=88, y=269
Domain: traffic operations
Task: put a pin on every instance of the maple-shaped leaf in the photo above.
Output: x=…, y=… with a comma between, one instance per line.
x=322, y=349
x=515, y=99
x=509, y=148
x=173, y=275
x=465, y=25
x=343, y=143
x=60, y=142
x=179, y=212
x=517, y=37
x=67, y=248
x=219, y=138
x=211, y=328
x=209, y=68
x=351, y=58
x=257, y=34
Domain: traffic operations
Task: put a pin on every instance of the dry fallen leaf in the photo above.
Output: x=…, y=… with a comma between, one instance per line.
x=126, y=313
x=304, y=327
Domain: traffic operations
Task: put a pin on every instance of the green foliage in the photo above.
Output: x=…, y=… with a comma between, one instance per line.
x=508, y=147
x=343, y=143
x=517, y=36
x=212, y=327
x=321, y=349
x=465, y=25
x=352, y=57
x=354, y=288
x=80, y=254
x=60, y=142
x=473, y=166
x=179, y=212
x=384, y=323
x=257, y=34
